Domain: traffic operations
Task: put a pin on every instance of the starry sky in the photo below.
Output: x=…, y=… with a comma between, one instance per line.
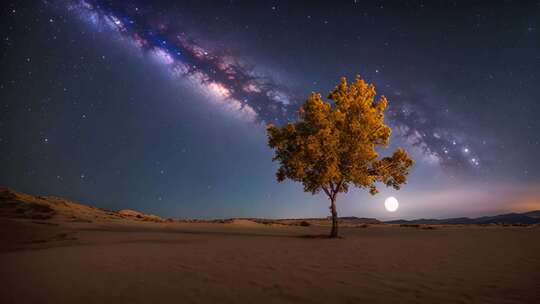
x=161, y=106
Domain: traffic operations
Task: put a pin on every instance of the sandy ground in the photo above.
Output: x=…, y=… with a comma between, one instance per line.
x=246, y=262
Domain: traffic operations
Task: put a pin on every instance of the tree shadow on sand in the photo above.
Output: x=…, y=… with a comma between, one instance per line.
x=319, y=236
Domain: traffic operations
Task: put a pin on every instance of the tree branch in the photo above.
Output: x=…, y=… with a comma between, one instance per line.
x=327, y=192
x=339, y=185
x=336, y=190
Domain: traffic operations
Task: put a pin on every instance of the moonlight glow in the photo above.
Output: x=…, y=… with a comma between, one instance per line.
x=391, y=204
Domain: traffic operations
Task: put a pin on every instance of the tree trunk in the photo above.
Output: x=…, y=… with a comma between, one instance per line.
x=334, y=232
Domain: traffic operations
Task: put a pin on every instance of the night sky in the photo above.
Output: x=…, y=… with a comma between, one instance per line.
x=161, y=106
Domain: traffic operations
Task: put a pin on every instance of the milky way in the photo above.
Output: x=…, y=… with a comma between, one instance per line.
x=240, y=89
x=252, y=96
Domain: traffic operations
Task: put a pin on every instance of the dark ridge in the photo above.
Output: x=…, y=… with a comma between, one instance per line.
x=531, y=217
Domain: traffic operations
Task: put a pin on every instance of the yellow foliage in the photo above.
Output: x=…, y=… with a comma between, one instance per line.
x=334, y=144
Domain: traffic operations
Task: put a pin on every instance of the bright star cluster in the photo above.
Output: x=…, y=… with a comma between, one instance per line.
x=224, y=77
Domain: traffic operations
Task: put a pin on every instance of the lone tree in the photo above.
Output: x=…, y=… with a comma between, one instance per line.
x=334, y=145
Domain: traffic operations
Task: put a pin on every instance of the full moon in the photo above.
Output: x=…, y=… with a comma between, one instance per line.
x=391, y=204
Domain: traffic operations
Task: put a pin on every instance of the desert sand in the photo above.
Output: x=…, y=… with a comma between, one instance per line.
x=57, y=251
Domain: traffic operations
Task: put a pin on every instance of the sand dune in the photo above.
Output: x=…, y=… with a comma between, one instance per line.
x=21, y=205
x=120, y=258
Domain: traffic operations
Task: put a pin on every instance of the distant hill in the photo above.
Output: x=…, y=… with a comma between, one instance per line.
x=531, y=217
x=18, y=205
x=534, y=214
